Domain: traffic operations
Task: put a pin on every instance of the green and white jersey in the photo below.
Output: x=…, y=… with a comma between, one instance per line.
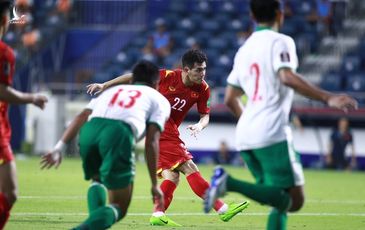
x=135, y=105
x=255, y=69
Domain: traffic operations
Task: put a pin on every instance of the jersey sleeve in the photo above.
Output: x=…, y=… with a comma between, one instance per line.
x=5, y=71
x=284, y=54
x=160, y=111
x=203, y=103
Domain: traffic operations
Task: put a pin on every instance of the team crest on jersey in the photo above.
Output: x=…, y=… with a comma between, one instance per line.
x=285, y=57
x=194, y=95
x=172, y=89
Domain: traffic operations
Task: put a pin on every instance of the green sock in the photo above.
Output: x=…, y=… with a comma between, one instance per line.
x=101, y=218
x=270, y=195
x=96, y=196
x=277, y=220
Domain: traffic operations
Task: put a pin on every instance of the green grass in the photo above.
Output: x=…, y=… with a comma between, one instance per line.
x=55, y=199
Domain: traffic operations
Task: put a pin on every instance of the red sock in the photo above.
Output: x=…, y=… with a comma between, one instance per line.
x=167, y=187
x=4, y=210
x=199, y=185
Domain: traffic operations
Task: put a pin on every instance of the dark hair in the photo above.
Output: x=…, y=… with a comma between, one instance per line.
x=145, y=72
x=4, y=6
x=193, y=56
x=265, y=10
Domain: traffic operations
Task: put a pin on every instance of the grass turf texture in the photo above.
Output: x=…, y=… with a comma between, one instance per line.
x=55, y=199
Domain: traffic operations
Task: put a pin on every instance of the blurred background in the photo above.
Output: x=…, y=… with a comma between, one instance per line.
x=67, y=44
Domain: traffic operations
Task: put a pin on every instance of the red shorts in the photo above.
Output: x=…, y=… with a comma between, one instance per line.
x=6, y=154
x=172, y=154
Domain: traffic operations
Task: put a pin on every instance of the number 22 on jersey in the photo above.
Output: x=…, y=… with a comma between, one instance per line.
x=129, y=98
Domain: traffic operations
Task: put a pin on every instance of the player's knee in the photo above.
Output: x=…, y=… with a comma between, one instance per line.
x=297, y=203
x=121, y=209
x=175, y=180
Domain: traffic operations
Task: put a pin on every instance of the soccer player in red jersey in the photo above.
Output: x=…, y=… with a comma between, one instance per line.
x=8, y=95
x=183, y=88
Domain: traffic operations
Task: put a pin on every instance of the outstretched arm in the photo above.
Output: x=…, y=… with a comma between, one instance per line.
x=97, y=88
x=232, y=99
x=54, y=157
x=14, y=96
x=196, y=128
x=295, y=81
x=152, y=149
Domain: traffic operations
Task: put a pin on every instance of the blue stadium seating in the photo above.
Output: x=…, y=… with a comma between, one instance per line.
x=350, y=64
x=332, y=82
x=356, y=82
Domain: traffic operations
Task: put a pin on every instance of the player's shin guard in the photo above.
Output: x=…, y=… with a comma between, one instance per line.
x=4, y=210
x=270, y=195
x=102, y=218
x=96, y=196
x=199, y=186
x=277, y=220
x=167, y=187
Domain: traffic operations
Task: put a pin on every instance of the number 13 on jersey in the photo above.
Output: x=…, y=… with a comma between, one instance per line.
x=129, y=98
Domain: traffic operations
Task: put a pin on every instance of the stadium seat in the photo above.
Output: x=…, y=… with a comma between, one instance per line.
x=302, y=7
x=331, y=82
x=355, y=83
x=212, y=55
x=187, y=24
x=202, y=37
x=202, y=7
x=140, y=40
x=218, y=44
x=210, y=26
x=223, y=19
x=351, y=64
x=289, y=28
x=179, y=37
x=227, y=7
x=178, y=7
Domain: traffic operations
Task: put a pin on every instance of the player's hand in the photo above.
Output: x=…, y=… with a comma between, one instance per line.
x=157, y=198
x=195, y=129
x=343, y=102
x=39, y=101
x=53, y=158
x=95, y=88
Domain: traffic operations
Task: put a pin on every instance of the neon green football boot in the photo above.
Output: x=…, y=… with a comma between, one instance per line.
x=233, y=209
x=163, y=221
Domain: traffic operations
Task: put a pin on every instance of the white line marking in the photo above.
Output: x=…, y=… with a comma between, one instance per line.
x=190, y=198
x=188, y=214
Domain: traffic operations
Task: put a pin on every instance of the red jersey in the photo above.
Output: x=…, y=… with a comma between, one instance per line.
x=7, y=67
x=182, y=98
x=172, y=149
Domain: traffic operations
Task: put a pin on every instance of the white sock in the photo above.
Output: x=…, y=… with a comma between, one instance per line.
x=158, y=214
x=223, y=209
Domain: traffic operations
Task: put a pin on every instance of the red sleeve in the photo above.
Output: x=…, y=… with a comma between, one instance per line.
x=204, y=100
x=6, y=66
x=5, y=70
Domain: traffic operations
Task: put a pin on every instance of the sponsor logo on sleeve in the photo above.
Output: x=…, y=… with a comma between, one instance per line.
x=285, y=57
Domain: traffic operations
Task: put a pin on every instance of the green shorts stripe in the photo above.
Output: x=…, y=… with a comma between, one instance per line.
x=275, y=165
x=106, y=149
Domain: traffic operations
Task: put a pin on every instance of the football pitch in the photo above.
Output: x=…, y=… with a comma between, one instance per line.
x=55, y=199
